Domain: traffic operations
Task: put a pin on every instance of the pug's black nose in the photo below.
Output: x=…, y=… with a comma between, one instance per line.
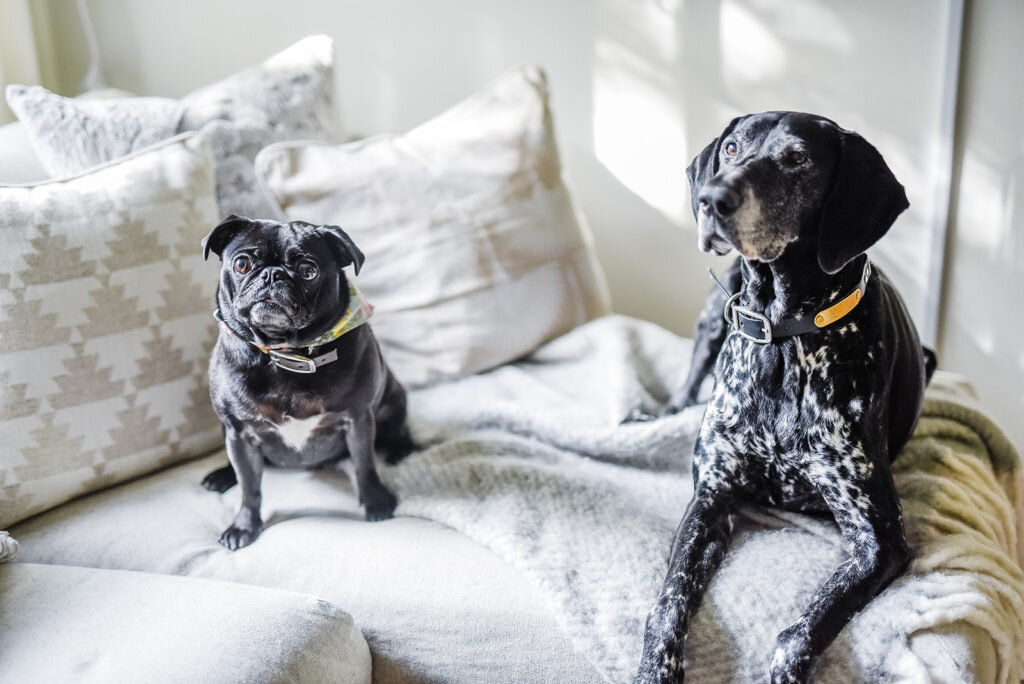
x=272, y=274
x=723, y=200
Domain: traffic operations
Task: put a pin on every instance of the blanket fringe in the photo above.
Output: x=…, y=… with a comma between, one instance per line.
x=8, y=547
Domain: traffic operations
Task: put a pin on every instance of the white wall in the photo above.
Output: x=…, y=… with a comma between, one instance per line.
x=19, y=62
x=639, y=87
x=982, y=332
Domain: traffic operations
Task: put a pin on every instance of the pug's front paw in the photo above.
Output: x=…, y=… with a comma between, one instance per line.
x=244, y=529
x=379, y=503
x=235, y=538
x=220, y=480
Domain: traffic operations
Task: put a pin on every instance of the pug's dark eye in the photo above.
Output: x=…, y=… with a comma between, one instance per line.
x=307, y=269
x=732, y=149
x=242, y=264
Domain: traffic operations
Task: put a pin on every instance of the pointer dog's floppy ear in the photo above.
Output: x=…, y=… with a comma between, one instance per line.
x=864, y=202
x=705, y=165
x=349, y=252
x=220, y=236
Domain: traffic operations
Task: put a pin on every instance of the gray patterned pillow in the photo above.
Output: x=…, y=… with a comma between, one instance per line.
x=105, y=327
x=290, y=96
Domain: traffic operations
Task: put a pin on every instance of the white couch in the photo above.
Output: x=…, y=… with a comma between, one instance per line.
x=129, y=583
x=433, y=605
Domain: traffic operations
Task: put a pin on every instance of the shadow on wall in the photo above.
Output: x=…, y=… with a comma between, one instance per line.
x=668, y=75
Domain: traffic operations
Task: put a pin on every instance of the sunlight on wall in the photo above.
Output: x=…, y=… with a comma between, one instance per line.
x=637, y=116
x=668, y=75
x=808, y=21
x=638, y=132
x=750, y=52
x=982, y=197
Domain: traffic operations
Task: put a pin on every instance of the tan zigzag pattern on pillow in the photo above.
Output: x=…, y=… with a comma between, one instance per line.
x=105, y=330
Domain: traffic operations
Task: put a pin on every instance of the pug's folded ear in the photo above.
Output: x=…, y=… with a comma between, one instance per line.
x=220, y=236
x=349, y=252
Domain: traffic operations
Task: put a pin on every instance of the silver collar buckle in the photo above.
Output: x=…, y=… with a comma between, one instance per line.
x=292, y=362
x=732, y=316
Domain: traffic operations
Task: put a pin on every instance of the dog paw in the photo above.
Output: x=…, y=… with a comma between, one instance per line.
x=662, y=669
x=236, y=537
x=220, y=480
x=395, y=452
x=791, y=661
x=662, y=660
x=379, y=504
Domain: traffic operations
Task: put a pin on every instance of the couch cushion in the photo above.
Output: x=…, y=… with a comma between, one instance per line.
x=71, y=624
x=433, y=605
x=289, y=96
x=476, y=250
x=105, y=326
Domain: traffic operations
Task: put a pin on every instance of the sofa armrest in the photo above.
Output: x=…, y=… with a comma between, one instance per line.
x=62, y=623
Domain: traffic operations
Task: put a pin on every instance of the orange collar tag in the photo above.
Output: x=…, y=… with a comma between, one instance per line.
x=846, y=304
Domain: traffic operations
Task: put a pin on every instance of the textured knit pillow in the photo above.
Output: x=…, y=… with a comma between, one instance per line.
x=290, y=96
x=105, y=327
x=476, y=252
x=19, y=162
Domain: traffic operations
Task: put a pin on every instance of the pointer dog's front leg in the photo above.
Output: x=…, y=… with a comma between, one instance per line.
x=868, y=513
x=697, y=550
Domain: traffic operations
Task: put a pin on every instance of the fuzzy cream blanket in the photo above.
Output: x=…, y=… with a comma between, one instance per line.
x=533, y=460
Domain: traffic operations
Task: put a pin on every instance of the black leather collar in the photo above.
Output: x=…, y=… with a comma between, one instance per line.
x=757, y=328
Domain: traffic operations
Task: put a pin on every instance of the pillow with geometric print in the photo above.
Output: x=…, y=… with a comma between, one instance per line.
x=105, y=326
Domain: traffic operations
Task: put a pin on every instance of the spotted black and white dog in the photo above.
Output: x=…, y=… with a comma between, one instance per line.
x=819, y=373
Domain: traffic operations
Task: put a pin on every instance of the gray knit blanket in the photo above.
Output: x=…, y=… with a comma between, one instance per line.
x=533, y=460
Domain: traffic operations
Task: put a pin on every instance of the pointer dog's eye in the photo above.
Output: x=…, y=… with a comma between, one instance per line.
x=307, y=269
x=732, y=149
x=242, y=264
x=796, y=158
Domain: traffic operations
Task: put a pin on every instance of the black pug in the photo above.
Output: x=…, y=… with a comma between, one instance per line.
x=819, y=373
x=296, y=377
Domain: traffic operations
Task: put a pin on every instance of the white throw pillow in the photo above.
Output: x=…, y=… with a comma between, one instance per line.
x=476, y=252
x=18, y=161
x=289, y=96
x=105, y=326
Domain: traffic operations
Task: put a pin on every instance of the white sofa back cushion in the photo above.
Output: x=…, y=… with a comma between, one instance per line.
x=289, y=96
x=476, y=250
x=105, y=326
